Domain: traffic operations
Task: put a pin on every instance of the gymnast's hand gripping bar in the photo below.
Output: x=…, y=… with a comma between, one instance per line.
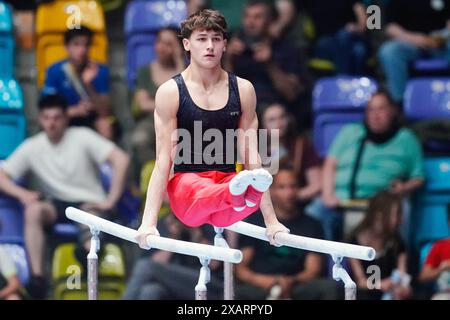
x=329, y=247
x=157, y=242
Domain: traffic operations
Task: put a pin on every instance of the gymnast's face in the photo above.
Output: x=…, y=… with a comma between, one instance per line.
x=284, y=191
x=54, y=122
x=206, y=47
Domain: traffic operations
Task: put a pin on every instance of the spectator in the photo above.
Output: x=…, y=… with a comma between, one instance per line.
x=273, y=66
x=416, y=29
x=288, y=24
x=436, y=269
x=83, y=82
x=169, y=62
x=194, y=6
x=23, y=5
x=10, y=285
x=294, y=148
x=366, y=158
x=65, y=163
x=165, y=275
x=340, y=27
x=380, y=230
x=265, y=267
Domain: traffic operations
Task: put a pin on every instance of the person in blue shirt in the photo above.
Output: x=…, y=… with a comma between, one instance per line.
x=83, y=82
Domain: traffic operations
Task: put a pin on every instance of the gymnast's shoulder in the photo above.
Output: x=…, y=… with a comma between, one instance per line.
x=167, y=98
x=247, y=93
x=244, y=85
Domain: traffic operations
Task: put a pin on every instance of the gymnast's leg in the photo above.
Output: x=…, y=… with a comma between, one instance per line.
x=194, y=197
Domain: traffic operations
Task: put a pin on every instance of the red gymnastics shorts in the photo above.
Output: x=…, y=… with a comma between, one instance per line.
x=198, y=198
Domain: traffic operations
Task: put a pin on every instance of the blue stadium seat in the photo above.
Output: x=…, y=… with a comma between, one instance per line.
x=427, y=98
x=143, y=19
x=327, y=126
x=6, y=55
x=6, y=21
x=11, y=220
x=19, y=255
x=430, y=67
x=12, y=118
x=143, y=16
x=6, y=41
x=140, y=52
x=430, y=205
x=437, y=171
x=66, y=230
x=424, y=251
x=338, y=101
x=128, y=205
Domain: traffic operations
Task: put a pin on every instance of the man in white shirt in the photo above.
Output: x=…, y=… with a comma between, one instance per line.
x=65, y=163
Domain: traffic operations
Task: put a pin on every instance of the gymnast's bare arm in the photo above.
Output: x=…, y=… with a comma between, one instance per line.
x=249, y=153
x=166, y=107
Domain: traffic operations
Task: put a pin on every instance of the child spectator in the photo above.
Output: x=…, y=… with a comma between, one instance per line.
x=437, y=268
x=380, y=230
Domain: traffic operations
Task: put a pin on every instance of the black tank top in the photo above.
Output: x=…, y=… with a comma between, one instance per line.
x=200, y=144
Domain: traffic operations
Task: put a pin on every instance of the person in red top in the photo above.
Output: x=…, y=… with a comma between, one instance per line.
x=437, y=268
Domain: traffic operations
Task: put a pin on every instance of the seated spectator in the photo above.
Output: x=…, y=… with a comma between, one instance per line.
x=64, y=161
x=366, y=158
x=10, y=285
x=296, y=273
x=436, y=269
x=417, y=29
x=293, y=148
x=194, y=6
x=273, y=66
x=340, y=27
x=165, y=275
x=169, y=61
x=83, y=82
x=289, y=24
x=380, y=230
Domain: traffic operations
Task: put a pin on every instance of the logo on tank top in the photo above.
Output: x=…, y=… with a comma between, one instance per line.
x=215, y=147
x=234, y=113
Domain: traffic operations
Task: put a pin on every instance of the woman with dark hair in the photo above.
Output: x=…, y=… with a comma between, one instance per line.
x=293, y=148
x=380, y=230
x=365, y=158
x=169, y=61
